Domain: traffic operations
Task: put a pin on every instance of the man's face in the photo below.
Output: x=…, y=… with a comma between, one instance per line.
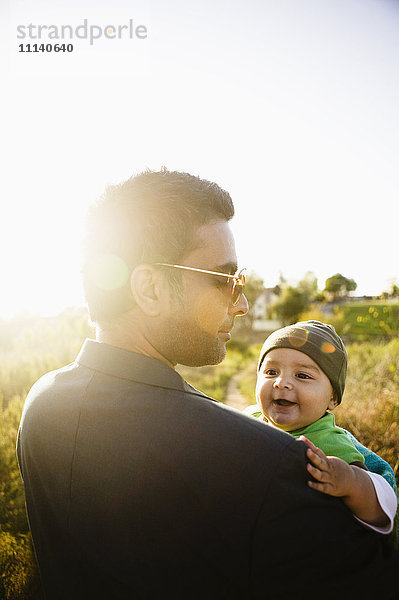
x=197, y=327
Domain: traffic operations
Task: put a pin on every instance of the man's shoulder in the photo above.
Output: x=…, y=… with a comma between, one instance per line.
x=53, y=387
x=108, y=376
x=51, y=379
x=230, y=423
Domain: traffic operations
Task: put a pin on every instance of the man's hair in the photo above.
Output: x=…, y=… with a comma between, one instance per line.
x=152, y=217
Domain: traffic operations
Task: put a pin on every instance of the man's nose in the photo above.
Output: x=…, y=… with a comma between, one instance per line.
x=241, y=308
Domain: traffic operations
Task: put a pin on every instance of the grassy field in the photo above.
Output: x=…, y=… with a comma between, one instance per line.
x=365, y=321
x=29, y=348
x=370, y=409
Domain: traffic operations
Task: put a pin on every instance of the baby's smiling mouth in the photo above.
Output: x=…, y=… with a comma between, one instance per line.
x=283, y=402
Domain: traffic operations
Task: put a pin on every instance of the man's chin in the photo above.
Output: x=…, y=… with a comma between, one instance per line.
x=214, y=356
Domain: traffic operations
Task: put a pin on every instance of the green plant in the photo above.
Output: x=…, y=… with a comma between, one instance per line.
x=19, y=579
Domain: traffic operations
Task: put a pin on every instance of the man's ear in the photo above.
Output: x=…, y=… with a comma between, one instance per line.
x=148, y=287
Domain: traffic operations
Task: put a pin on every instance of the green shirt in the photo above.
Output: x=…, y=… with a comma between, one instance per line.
x=325, y=435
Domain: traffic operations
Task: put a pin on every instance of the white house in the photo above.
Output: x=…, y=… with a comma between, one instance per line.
x=259, y=310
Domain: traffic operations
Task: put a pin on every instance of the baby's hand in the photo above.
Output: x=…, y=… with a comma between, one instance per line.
x=334, y=476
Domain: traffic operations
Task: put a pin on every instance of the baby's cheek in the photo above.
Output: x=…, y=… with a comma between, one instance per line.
x=258, y=387
x=260, y=391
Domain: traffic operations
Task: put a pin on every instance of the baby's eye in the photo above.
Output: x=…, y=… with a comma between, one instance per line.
x=271, y=372
x=303, y=376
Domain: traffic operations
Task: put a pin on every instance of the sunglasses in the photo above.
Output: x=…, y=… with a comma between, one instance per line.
x=237, y=281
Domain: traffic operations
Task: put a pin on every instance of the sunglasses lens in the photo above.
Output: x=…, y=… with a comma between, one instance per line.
x=237, y=291
x=238, y=288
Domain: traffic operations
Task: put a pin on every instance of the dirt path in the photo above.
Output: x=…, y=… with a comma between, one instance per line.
x=234, y=397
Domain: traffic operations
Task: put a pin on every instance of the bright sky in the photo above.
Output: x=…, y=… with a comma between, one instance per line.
x=290, y=105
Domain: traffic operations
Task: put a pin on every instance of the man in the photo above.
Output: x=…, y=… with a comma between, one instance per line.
x=139, y=486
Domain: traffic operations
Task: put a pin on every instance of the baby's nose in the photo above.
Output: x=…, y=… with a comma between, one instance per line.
x=282, y=382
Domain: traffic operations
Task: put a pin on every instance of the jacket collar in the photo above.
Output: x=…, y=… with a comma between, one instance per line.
x=132, y=366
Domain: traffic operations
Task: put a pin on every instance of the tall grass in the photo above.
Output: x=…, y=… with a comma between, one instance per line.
x=19, y=579
x=370, y=408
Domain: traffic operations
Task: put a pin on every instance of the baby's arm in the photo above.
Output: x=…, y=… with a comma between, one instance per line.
x=349, y=482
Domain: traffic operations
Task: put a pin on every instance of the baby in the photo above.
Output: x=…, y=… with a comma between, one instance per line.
x=301, y=377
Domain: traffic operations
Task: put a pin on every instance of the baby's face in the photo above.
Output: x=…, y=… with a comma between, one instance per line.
x=291, y=390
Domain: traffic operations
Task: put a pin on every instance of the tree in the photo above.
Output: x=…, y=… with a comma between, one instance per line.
x=253, y=287
x=289, y=305
x=308, y=285
x=338, y=285
x=393, y=292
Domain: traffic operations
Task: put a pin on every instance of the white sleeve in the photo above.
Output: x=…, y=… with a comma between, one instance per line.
x=387, y=499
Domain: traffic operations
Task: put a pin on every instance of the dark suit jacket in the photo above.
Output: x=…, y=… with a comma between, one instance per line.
x=139, y=486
